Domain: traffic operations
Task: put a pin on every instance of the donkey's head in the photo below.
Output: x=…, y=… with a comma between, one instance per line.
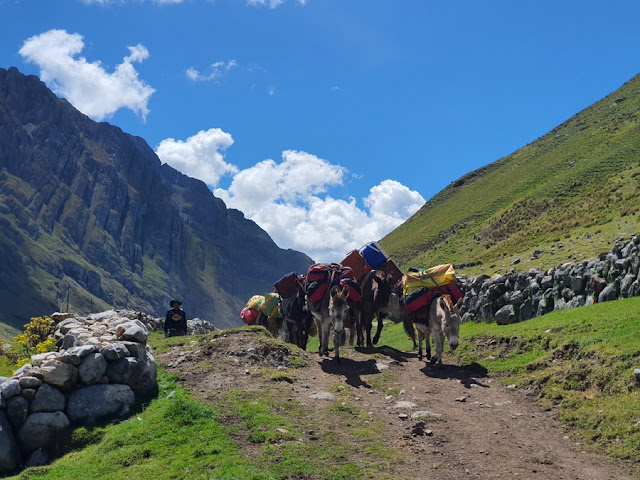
x=339, y=307
x=382, y=289
x=450, y=320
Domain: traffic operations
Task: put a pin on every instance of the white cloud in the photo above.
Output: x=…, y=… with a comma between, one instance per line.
x=200, y=156
x=289, y=200
x=270, y=3
x=218, y=69
x=87, y=86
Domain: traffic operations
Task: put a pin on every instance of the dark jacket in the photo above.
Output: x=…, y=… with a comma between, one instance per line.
x=176, y=320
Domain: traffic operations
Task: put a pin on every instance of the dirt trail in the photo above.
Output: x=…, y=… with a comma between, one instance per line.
x=481, y=429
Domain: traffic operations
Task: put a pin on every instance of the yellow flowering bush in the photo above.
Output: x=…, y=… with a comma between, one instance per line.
x=37, y=338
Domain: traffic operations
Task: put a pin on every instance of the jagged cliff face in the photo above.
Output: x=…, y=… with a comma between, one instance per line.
x=89, y=211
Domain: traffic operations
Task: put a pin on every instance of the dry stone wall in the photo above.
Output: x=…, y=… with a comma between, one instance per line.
x=103, y=366
x=518, y=296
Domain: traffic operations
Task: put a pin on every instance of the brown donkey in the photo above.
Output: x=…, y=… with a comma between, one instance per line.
x=376, y=289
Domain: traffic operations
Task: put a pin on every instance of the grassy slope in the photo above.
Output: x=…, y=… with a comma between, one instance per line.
x=583, y=176
x=580, y=361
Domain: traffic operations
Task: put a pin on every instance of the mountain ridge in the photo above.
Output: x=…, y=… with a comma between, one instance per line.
x=86, y=205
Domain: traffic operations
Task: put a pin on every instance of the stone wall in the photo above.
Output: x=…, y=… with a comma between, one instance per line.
x=514, y=297
x=102, y=367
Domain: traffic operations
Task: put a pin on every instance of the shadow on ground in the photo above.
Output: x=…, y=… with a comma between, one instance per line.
x=352, y=370
x=390, y=352
x=467, y=375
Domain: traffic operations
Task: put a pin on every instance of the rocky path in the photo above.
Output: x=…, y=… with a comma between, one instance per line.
x=474, y=427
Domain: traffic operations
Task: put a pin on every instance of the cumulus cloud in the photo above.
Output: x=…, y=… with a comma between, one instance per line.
x=200, y=156
x=86, y=85
x=218, y=69
x=290, y=201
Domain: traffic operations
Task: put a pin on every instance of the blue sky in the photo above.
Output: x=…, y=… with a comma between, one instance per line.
x=327, y=122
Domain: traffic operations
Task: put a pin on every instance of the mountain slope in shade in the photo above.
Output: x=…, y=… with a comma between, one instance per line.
x=89, y=212
x=564, y=197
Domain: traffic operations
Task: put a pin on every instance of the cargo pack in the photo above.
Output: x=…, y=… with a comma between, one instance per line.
x=391, y=268
x=287, y=286
x=373, y=254
x=421, y=297
x=433, y=277
x=357, y=263
x=319, y=276
x=270, y=305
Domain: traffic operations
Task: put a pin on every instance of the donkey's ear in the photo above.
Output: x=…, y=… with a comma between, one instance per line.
x=345, y=291
x=459, y=303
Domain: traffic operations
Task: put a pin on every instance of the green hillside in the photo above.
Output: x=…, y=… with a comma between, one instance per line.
x=581, y=178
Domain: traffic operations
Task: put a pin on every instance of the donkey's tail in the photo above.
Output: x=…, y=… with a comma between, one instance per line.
x=409, y=329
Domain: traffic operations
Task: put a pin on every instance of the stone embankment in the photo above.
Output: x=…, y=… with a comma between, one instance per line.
x=102, y=368
x=518, y=296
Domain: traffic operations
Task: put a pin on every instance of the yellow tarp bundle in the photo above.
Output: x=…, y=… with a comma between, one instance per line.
x=269, y=305
x=433, y=277
x=255, y=302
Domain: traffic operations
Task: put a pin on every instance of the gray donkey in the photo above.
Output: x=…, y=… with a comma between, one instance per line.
x=333, y=309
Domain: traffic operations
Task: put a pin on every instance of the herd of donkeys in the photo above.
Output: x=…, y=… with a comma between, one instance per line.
x=332, y=298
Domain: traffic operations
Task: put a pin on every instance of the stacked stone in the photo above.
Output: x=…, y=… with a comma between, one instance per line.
x=514, y=297
x=102, y=365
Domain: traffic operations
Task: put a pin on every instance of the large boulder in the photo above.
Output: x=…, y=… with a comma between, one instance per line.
x=147, y=384
x=95, y=402
x=92, y=368
x=10, y=457
x=127, y=370
x=60, y=374
x=10, y=388
x=41, y=429
x=17, y=410
x=114, y=351
x=48, y=399
x=133, y=331
x=607, y=295
x=506, y=315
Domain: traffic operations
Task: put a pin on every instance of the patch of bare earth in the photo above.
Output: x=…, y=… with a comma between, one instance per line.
x=474, y=427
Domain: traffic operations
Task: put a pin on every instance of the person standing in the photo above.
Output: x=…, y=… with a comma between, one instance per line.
x=175, y=323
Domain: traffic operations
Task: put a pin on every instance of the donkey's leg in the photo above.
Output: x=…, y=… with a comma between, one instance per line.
x=358, y=319
x=304, y=338
x=320, y=331
x=420, y=338
x=376, y=339
x=326, y=324
x=428, y=346
x=438, y=340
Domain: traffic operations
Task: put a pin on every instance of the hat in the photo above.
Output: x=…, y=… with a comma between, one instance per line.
x=175, y=301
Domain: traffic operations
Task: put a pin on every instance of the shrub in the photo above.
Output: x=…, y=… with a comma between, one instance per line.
x=37, y=338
